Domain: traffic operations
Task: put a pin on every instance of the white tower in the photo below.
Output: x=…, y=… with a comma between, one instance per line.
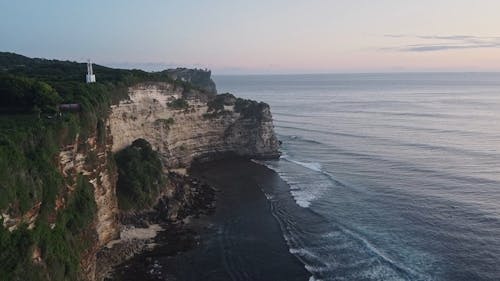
x=90, y=77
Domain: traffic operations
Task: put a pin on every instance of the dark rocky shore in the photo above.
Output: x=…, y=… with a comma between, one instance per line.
x=241, y=240
x=164, y=228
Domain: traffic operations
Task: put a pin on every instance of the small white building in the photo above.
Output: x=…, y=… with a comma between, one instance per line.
x=90, y=77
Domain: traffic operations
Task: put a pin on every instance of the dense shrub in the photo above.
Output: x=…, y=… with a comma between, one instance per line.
x=216, y=105
x=140, y=175
x=249, y=108
x=25, y=94
x=81, y=206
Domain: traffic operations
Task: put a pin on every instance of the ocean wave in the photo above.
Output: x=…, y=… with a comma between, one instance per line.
x=314, y=166
x=302, y=197
x=322, y=258
x=455, y=150
x=416, y=191
x=406, y=165
x=408, y=272
x=318, y=260
x=309, y=165
x=317, y=269
x=409, y=114
x=304, y=193
x=303, y=252
x=295, y=137
x=371, y=264
x=334, y=133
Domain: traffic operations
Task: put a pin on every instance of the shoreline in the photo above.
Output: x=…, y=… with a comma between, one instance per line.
x=240, y=240
x=151, y=231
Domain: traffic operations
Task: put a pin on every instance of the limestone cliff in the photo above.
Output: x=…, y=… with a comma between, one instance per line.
x=194, y=131
x=182, y=126
x=183, y=120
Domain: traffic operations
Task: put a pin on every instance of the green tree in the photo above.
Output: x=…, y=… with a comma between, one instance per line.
x=45, y=97
x=140, y=175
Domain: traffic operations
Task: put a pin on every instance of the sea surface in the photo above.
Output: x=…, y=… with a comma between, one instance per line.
x=391, y=176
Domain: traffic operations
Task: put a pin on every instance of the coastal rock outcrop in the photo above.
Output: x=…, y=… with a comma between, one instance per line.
x=195, y=130
x=199, y=77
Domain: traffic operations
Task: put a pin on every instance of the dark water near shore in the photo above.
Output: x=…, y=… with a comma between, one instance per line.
x=241, y=241
x=391, y=176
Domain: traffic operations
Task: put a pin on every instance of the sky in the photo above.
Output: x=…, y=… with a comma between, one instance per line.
x=259, y=36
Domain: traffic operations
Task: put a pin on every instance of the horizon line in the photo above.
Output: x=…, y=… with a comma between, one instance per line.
x=359, y=73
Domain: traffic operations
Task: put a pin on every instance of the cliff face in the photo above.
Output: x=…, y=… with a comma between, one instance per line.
x=73, y=161
x=181, y=135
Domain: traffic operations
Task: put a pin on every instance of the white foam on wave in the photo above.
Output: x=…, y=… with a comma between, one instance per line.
x=302, y=197
x=317, y=269
x=309, y=165
x=333, y=234
x=268, y=196
x=314, y=166
x=303, y=192
x=317, y=261
x=303, y=253
x=377, y=271
x=382, y=271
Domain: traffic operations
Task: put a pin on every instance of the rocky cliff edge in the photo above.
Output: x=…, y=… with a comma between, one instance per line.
x=186, y=126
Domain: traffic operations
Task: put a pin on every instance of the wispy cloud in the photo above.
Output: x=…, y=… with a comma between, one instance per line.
x=433, y=43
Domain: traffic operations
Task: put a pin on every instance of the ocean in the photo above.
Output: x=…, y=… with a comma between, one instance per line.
x=389, y=176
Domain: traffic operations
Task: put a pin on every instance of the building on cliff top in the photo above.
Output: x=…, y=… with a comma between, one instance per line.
x=90, y=77
x=70, y=107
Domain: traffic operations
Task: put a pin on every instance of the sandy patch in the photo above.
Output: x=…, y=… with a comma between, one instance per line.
x=136, y=233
